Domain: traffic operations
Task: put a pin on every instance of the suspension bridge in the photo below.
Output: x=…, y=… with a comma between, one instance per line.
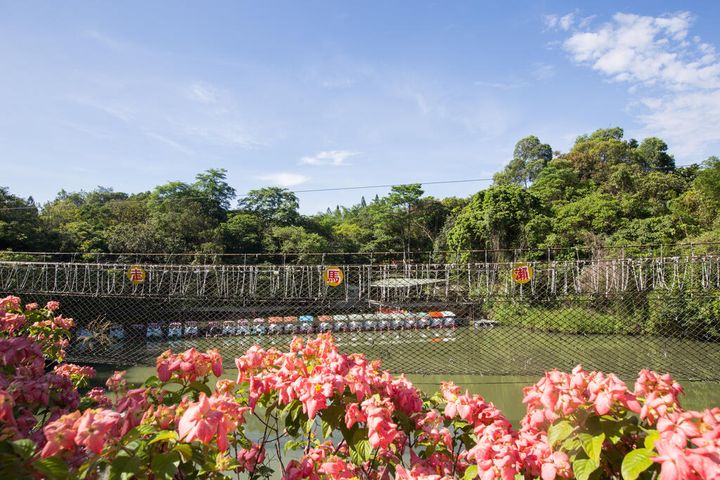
x=619, y=314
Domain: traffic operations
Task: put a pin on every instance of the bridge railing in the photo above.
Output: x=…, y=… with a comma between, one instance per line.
x=460, y=317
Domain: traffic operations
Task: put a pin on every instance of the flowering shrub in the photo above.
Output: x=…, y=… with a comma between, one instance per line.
x=326, y=415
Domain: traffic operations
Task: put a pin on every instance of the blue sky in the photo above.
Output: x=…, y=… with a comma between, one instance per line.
x=324, y=94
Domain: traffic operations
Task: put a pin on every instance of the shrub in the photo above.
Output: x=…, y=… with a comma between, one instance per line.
x=326, y=415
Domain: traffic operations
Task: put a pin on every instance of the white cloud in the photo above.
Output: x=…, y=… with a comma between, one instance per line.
x=107, y=40
x=649, y=50
x=689, y=120
x=113, y=108
x=509, y=85
x=228, y=135
x=284, y=179
x=679, y=75
x=335, y=158
x=543, y=71
x=203, y=93
x=170, y=142
x=562, y=22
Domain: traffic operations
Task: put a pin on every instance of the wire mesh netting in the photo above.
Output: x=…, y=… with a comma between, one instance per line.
x=451, y=317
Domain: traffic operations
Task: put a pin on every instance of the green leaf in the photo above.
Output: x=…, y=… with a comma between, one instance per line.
x=571, y=444
x=470, y=472
x=24, y=448
x=650, y=439
x=201, y=387
x=123, y=467
x=165, y=465
x=293, y=444
x=185, y=452
x=636, y=462
x=583, y=468
x=559, y=432
x=164, y=435
x=52, y=468
x=327, y=429
x=145, y=429
x=333, y=413
x=289, y=407
x=592, y=445
x=360, y=449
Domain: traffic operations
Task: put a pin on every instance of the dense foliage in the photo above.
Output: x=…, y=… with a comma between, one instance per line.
x=607, y=190
x=322, y=414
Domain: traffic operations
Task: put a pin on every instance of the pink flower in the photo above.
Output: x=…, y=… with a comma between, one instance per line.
x=10, y=303
x=31, y=306
x=117, y=383
x=557, y=465
x=93, y=427
x=674, y=464
x=60, y=434
x=353, y=415
x=335, y=467
x=11, y=322
x=381, y=429
x=216, y=361
x=101, y=400
x=53, y=305
x=188, y=366
x=74, y=372
x=657, y=406
x=132, y=406
x=210, y=417
x=298, y=469
x=250, y=458
x=64, y=323
x=22, y=352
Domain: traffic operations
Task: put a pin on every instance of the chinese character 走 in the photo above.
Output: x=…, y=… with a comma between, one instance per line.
x=136, y=275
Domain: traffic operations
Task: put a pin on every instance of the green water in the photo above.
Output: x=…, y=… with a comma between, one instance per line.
x=431, y=357
x=503, y=391
x=495, y=362
x=490, y=352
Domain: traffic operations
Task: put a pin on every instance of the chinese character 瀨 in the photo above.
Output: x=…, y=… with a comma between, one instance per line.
x=522, y=274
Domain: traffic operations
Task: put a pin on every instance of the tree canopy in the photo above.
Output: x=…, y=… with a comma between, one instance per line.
x=606, y=190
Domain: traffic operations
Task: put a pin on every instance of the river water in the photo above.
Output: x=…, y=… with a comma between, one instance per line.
x=496, y=363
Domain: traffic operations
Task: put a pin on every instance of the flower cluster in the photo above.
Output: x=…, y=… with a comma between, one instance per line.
x=689, y=445
x=190, y=365
x=341, y=415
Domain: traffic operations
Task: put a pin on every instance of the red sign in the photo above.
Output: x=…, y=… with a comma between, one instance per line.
x=333, y=276
x=136, y=274
x=521, y=273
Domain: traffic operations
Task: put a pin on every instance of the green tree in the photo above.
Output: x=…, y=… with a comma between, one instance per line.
x=653, y=155
x=214, y=192
x=530, y=157
x=593, y=156
x=278, y=206
x=242, y=233
x=294, y=239
x=496, y=218
x=707, y=181
x=559, y=182
x=181, y=217
x=588, y=220
x=20, y=226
